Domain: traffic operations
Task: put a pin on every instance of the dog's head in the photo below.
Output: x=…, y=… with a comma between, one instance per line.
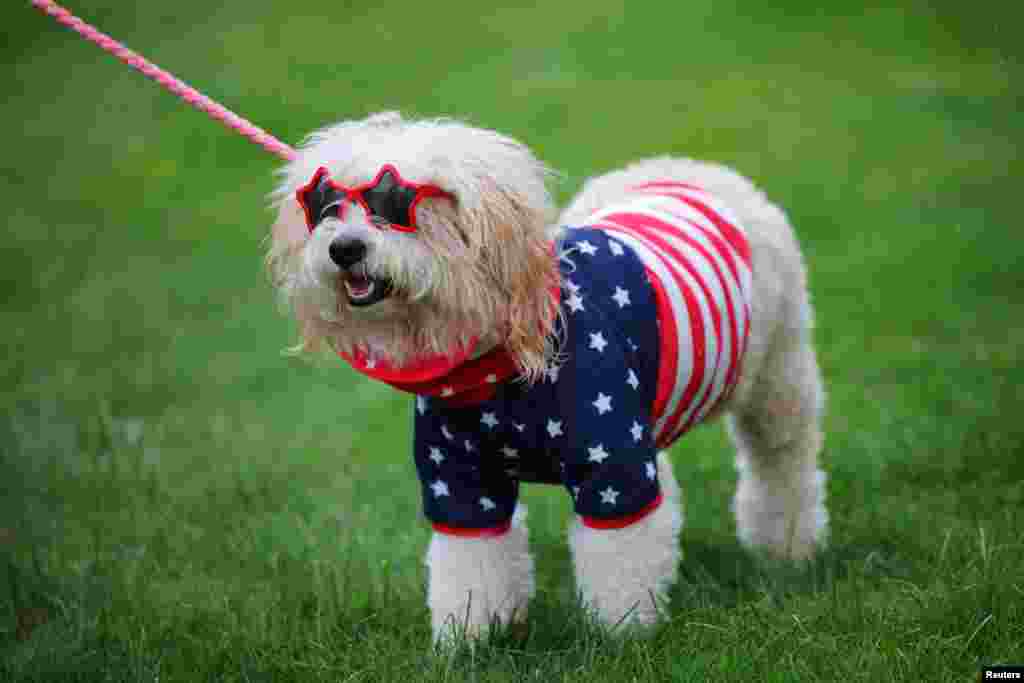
x=404, y=238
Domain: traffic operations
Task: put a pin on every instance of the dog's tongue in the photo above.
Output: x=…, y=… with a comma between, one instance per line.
x=359, y=286
x=419, y=375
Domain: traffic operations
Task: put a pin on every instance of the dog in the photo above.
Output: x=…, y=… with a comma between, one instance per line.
x=568, y=349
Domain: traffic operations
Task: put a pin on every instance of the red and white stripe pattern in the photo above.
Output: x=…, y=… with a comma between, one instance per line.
x=698, y=262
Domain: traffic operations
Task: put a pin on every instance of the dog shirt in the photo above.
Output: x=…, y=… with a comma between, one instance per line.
x=656, y=301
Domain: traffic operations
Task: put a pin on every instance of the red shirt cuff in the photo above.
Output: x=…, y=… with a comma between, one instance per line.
x=622, y=522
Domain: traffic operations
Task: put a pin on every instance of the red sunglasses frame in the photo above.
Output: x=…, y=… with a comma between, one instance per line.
x=355, y=194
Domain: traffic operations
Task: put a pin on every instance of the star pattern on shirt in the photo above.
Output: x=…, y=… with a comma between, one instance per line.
x=609, y=495
x=637, y=431
x=551, y=373
x=598, y=454
x=514, y=428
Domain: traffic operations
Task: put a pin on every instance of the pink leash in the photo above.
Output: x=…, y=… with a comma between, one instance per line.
x=183, y=90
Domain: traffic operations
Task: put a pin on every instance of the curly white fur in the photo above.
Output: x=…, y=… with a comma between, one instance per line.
x=476, y=581
x=482, y=266
x=624, y=574
x=479, y=266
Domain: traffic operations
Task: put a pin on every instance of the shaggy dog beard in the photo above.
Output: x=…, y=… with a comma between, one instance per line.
x=439, y=298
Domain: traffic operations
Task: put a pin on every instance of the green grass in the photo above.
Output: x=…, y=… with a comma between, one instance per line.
x=179, y=502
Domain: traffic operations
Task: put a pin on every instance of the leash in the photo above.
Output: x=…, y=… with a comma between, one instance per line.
x=183, y=90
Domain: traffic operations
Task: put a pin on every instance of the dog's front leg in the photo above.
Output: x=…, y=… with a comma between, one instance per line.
x=476, y=581
x=624, y=574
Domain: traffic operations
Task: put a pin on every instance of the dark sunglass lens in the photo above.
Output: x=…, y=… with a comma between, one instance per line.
x=321, y=201
x=330, y=200
x=389, y=200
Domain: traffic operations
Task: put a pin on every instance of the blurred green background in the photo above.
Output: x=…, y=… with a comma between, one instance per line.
x=164, y=467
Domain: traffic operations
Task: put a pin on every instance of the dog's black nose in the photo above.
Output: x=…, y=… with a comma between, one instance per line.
x=347, y=252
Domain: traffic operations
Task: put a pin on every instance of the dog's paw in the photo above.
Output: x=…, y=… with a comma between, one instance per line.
x=453, y=634
x=787, y=526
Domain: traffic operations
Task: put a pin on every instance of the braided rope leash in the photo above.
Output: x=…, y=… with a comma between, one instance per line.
x=183, y=90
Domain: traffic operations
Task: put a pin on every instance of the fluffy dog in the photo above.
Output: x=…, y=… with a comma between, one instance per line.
x=561, y=349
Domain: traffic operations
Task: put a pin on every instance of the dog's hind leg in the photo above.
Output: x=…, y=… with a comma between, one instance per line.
x=780, y=500
x=624, y=574
x=474, y=582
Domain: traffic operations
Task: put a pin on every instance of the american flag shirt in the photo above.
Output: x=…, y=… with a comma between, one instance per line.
x=656, y=301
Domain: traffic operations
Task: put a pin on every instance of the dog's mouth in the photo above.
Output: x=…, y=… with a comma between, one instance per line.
x=362, y=289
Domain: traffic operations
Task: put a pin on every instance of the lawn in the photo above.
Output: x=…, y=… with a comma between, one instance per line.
x=181, y=502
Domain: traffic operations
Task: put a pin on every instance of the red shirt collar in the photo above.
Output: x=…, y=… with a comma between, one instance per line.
x=455, y=378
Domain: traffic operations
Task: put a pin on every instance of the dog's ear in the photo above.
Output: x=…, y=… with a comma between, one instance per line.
x=533, y=307
x=288, y=236
x=520, y=263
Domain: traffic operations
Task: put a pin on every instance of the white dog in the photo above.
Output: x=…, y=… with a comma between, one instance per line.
x=428, y=254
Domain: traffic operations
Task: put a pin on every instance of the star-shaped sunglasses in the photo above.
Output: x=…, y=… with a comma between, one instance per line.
x=388, y=197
